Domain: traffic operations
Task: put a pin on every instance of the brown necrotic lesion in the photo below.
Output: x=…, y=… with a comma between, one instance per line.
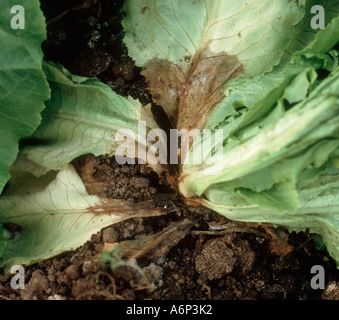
x=189, y=92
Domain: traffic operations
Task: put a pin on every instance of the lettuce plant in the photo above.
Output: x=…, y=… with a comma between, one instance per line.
x=253, y=71
x=256, y=74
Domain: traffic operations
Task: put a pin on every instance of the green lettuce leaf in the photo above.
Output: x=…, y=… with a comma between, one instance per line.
x=260, y=93
x=275, y=143
x=255, y=108
x=23, y=87
x=306, y=38
x=318, y=210
x=257, y=33
x=83, y=116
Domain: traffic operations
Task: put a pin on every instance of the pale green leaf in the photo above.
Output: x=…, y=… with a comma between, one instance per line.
x=55, y=214
x=318, y=210
x=83, y=116
x=191, y=50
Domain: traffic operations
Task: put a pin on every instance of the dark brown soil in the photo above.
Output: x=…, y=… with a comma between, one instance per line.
x=206, y=255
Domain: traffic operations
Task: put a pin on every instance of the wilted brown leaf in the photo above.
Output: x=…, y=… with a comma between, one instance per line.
x=154, y=246
x=189, y=92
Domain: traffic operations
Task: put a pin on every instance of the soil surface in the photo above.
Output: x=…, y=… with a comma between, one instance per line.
x=198, y=253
